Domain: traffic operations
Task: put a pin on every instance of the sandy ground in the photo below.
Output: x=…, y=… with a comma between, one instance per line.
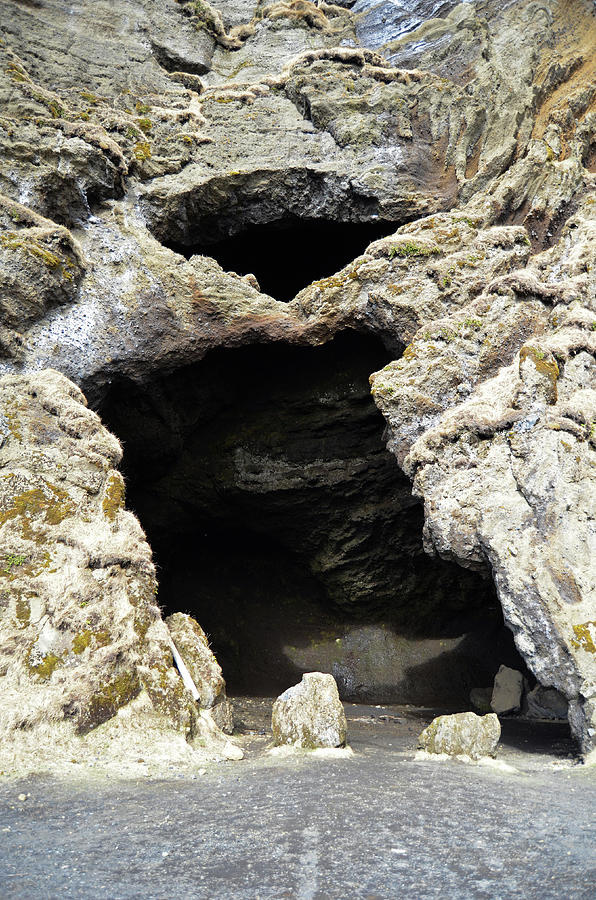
x=382, y=823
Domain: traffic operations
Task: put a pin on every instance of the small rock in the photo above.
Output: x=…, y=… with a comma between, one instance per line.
x=507, y=691
x=310, y=714
x=22, y=797
x=463, y=734
x=193, y=646
x=546, y=703
x=232, y=751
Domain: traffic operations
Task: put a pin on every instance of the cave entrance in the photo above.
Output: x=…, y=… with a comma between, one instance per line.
x=287, y=255
x=281, y=523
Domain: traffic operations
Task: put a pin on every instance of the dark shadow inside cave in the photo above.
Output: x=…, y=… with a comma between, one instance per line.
x=287, y=255
x=281, y=523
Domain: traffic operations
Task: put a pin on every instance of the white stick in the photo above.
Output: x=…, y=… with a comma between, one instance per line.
x=185, y=674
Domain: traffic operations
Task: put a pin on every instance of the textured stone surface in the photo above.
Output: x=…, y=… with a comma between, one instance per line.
x=545, y=703
x=310, y=714
x=462, y=734
x=469, y=128
x=81, y=635
x=193, y=646
x=507, y=691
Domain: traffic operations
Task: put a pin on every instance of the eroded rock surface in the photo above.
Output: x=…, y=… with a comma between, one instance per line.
x=132, y=131
x=81, y=636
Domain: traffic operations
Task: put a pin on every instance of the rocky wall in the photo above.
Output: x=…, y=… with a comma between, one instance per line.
x=467, y=129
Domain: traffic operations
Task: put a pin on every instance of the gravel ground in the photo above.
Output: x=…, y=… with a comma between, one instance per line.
x=381, y=824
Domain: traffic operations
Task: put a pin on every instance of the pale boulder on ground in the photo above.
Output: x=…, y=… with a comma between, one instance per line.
x=463, y=734
x=507, y=691
x=310, y=715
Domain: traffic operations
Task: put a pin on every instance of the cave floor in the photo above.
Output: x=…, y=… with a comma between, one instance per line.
x=379, y=824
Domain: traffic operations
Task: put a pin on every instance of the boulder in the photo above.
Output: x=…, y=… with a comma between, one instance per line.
x=546, y=703
x=310, y=714
x=507, y=691
x=463, y=734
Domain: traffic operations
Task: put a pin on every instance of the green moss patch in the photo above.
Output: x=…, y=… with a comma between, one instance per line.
x=88, y=637
x=411, y=249
x=23, y=611
x=44, y=669
x=108, y=699
x=545, y=364
x=114, y=496
x=17, y=241
x=52, y=503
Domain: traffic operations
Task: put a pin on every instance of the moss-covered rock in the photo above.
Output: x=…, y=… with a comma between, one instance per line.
x=191, y=642
x=462, y=734
x=80, y=633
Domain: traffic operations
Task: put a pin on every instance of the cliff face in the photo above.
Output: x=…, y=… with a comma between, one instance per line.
x=136, y=136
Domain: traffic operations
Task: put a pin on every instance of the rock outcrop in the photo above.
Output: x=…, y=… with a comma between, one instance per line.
x=81, y=635
x=134, y=135
x=546, y=703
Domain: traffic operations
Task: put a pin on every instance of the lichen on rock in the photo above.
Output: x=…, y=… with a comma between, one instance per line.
x=81, y=635
x=462, y=734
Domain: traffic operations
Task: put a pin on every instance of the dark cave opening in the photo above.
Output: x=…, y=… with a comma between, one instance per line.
x=287, y=255
x=281, y=523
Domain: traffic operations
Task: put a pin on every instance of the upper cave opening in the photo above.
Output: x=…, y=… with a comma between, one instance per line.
x=287, y=255
x=281, y=523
